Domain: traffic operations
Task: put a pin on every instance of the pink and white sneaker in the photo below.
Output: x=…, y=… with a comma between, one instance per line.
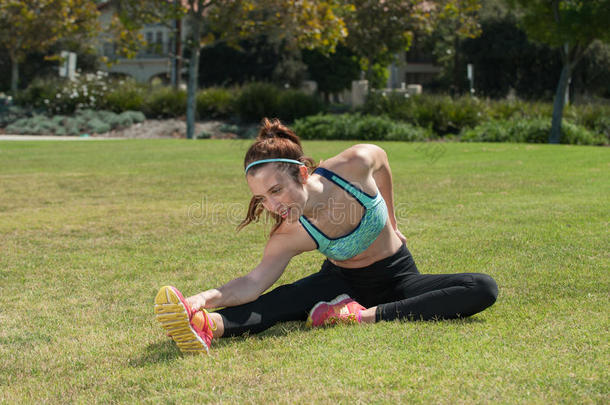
x=341, y=310
x=192, y=331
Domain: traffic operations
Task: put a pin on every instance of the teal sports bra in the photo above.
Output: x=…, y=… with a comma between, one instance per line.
x=358, y=240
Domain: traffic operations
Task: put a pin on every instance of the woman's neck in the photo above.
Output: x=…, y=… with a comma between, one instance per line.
x=317, y=196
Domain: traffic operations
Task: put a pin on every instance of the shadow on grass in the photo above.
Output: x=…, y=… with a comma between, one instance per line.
x=161, y=352
x=166, y=351
x=279, y=330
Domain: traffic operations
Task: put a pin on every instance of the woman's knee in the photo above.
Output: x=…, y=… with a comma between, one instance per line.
x=486, y=289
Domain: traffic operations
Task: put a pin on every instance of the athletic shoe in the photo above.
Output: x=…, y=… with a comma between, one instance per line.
x=343, y=310
x=192, y=331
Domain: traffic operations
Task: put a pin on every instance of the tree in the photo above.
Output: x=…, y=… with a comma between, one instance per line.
x=380, y=29
x=303, y=24
x=505, y=60
x=333, y=72
x=570, y=26
x=28, y=26
x=131, y=16
x=377, y=30
x=457, y=20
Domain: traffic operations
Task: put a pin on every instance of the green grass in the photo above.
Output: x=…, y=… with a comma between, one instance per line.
x=90, y=230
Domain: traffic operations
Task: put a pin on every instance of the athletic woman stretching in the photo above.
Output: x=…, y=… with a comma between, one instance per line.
x=344, y=208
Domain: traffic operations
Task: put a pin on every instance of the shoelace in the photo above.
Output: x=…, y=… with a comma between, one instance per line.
x=207, y=320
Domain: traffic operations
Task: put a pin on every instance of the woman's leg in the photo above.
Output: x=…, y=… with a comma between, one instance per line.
x=437, y=296
x=290, y=302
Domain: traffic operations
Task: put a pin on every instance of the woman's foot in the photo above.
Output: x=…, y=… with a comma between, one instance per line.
x=343, y=310
x=192, y=331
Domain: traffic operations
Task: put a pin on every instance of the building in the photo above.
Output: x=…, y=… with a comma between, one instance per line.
x=417, y=66
x=152, y=62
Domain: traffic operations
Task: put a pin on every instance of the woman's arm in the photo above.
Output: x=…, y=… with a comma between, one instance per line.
x=377, y=160
x=247, y=288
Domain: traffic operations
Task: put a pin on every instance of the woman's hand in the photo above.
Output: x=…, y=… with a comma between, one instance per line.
x=196, y=302
x=400, y=236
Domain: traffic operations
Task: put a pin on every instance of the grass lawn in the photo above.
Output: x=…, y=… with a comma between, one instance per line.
x=90, y=230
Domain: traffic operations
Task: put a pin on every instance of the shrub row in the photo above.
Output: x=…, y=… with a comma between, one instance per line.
x=442, y=114
x=13, y=113
x=530, y=130
x=445, y=115
x=96, y=91
x=358, y=127
x=257, y=100
x=367, y=127
x=83, y=122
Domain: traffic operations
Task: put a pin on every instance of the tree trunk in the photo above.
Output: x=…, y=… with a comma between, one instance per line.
x=14, y=75
x=559, y=103
x=191, y=99
x=174, y=57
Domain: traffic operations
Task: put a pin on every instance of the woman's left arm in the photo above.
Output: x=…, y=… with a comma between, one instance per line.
x=377, y=159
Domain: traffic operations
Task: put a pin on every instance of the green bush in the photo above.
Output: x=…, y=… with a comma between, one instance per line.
x=602, y=126
x=133, y=116
x=40, y=93
x=442, y=114
x=445, y=115
x=530, y=130
x=293, y=104
x=36, y=125
x=165, y=102
x=125, y=95
x=84, y=121
x=98, y=126
x=506, y=109
x=358, y=127
x=12, y=114
x=257, y=100
x=215, y=102
x=595, y=117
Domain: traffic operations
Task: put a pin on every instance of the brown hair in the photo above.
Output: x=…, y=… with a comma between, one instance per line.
x=274, y=140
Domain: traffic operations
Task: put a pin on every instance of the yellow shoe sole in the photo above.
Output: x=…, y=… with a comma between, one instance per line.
x=173, y=317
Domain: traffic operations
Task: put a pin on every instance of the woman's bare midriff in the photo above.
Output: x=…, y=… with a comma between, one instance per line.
x=386, y=244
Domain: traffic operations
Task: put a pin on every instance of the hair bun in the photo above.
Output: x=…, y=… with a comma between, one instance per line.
x=273, y=128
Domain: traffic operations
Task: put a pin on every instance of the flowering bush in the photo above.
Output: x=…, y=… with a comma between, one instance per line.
x=62, y=96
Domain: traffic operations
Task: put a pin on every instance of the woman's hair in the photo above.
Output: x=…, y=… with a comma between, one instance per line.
x=274, y=141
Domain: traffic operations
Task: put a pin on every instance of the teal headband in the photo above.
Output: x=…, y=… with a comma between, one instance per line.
x=258, y=162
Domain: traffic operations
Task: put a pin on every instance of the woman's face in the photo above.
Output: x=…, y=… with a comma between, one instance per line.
x=279, y=193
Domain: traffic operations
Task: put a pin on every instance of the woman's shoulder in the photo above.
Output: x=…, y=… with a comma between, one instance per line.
x=356, y=160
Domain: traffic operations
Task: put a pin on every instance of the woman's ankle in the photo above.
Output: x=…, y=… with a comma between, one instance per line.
x=217, y=321
x=368, y=315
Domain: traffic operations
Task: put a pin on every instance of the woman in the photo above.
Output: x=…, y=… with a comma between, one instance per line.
x=344, y=208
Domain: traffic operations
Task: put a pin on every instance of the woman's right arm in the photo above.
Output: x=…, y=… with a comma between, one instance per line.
x=247, y=288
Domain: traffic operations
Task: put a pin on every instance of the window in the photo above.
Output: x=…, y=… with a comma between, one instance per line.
x=149, y=42
x=159, y=43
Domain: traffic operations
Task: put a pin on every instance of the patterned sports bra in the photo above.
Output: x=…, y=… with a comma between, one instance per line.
x=358, y=240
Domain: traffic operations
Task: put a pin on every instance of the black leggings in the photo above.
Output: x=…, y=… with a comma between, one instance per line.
x=393, y=284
